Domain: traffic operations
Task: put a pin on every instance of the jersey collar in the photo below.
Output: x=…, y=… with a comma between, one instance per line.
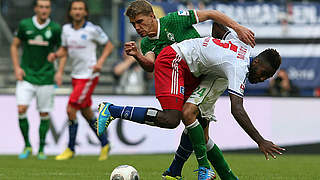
x=158, y=32
x=83, y=26
x=40, y=26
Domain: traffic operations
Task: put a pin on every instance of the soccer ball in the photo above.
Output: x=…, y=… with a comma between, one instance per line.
x=124, y=172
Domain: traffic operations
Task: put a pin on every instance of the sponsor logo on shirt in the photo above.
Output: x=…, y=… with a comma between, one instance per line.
x=183, y=13
x=182, y=90
x=29, y=32
x=38, y=40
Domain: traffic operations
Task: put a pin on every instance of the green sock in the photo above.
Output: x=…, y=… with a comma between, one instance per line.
x=197, y=139
x=43, y=129
x=218, y=162
x=24, y=127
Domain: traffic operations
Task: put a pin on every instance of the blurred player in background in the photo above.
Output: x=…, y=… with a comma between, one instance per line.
x=159, y=33
x=80, y=39
x=35, y=75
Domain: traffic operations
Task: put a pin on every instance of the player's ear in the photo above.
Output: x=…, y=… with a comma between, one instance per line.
x=152, y=15
x=256, y=61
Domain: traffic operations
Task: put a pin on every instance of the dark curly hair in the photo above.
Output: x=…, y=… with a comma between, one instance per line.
x=271, y=57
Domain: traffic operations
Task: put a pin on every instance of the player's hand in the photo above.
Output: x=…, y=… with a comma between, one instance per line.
x=246, y=35
x=268, y=148
x=131, y=48
x=58, y=78
x=19, y=73
x=52, y=57
x=96, y=68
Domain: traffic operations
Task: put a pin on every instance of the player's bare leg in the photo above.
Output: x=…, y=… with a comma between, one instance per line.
x=73, y=128
x=88, y=114
x=168, y=118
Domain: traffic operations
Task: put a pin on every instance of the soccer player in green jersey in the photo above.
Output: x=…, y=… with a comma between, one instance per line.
x=35, y=75
x=159, y=33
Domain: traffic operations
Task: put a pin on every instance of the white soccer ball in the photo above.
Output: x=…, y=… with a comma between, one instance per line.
x=124, y=172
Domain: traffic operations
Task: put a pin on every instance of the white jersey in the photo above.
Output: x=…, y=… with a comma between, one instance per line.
x=221, y=58
x=82, y=45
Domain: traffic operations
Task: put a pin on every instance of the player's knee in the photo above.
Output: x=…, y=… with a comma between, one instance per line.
x=203, y=121
x=174, y=123
x=44, y=114
x=22, y=109
x=72, y=112
x=189, y=113
x=169, y=118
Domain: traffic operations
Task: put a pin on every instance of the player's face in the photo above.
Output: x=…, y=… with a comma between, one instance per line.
x=43, y=10
x=78, y=11
x=259, y=72
x=144, y=25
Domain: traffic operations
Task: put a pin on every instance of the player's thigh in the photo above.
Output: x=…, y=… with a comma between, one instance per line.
x=45, y=98
x=25, y=91
x=206, y=95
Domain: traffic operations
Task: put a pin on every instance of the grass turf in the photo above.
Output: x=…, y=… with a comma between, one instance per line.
x=150, y=167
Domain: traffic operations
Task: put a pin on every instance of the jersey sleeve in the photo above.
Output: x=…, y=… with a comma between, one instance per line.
x=184, y=18
x=20, y=32
x=144, y=46
x=236, y=80
x=99, y=35
x=57, y=39
x=64, y=42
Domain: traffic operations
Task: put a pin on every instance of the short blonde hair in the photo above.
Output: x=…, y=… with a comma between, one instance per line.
x=138, y=7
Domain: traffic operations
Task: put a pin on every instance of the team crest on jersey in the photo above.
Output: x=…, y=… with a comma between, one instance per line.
x=170, y=36
x=242, y=87
x=183, y=13
x=48, y=34
x=84, y=37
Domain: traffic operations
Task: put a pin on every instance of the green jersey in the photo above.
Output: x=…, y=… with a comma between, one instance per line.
x=175, y=27
x=38, y=41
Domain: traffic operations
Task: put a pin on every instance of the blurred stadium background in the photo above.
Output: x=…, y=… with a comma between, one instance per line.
x=292, y=27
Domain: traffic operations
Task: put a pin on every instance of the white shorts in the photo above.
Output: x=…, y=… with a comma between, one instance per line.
x=206, y=95
x=44, y=94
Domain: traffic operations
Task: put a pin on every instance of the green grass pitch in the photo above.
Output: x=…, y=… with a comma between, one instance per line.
x=150, y=167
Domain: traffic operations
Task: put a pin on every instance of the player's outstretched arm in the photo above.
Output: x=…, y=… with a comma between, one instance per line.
x=146, y=62
x=244, y=34
x=238, y=112
x=14, y=50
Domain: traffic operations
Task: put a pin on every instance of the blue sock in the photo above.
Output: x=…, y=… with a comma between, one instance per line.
x=182, y=154
x=135, y=114
x=73, y=128
x=103, y=138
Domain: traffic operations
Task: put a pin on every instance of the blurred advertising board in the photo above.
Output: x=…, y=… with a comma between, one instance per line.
x=285, y=121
